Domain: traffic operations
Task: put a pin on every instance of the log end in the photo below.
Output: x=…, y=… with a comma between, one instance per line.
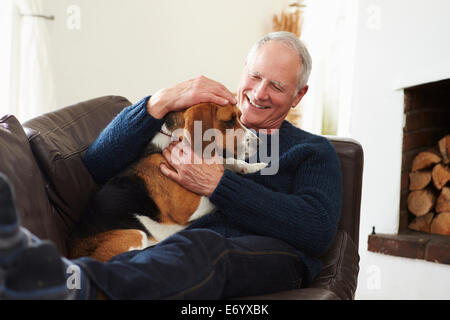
x=441, y=224
x=420, y=202
x=424, y=160
x=443, y=201
x=444, y=148
x=422, y=223
x=419, y=180
x=440, y=176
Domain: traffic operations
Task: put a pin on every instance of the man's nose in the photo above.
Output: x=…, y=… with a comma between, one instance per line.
x=260, y=91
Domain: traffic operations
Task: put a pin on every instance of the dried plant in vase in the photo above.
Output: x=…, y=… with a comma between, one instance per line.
x=287, y=22
x=291, y=21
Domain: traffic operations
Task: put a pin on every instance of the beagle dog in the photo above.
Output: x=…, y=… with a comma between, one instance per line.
x=140, y=206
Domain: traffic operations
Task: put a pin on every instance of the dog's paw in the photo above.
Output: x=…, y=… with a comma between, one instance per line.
x=253, y=167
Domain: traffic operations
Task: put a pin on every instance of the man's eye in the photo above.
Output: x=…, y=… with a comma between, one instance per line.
x=277, y=88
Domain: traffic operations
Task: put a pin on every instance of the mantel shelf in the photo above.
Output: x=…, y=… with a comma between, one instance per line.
x=418, y=76
x=412, y=244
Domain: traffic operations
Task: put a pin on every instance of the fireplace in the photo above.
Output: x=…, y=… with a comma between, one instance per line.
x=426, y=121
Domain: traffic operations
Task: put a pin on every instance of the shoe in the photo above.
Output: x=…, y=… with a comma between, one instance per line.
x=13, y=237
x=31, y=268
x=37, y=274
x=8, y=215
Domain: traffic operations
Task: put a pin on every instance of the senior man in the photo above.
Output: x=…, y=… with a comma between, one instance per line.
x=268, y=231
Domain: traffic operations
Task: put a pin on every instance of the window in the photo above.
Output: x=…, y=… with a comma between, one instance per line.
x=6, y=15
x=26, y=83
x=329, y=31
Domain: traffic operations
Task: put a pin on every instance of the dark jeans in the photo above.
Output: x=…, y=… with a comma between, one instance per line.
x=199, y=264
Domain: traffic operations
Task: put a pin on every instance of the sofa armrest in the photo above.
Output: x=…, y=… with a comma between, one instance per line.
x=340, y=267
x=338, y=278
x=298, y=294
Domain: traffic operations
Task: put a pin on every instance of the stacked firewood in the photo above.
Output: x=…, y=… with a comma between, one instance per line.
x=429, y=197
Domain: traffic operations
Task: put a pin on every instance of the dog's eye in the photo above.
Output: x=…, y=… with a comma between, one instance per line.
x=230, y=123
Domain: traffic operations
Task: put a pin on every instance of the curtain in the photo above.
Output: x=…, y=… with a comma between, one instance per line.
x=5, y=55
x=329, y=31
x=32, y=88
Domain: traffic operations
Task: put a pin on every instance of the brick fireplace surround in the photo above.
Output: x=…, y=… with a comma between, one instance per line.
x=427, y=119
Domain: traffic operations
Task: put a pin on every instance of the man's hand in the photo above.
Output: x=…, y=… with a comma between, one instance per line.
x=191, y=171
x=187, y=94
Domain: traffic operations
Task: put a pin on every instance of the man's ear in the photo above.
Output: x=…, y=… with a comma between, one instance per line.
x=299, y=95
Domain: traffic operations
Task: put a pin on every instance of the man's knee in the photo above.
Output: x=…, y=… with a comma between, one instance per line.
x=199, y=241
x=197, y=237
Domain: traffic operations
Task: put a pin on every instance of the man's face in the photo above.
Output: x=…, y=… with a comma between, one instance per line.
x=267, y=89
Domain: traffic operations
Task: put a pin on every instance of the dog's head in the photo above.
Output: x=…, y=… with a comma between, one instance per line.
x=209, y=127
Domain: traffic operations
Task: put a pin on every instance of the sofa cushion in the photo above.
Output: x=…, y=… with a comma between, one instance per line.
x=18, y=164
x=59, y=140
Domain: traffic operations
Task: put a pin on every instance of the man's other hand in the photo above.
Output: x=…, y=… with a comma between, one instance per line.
x=187, y=94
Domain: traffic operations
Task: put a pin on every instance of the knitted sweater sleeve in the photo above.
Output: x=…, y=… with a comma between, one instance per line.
x=121, y=142
x=307, y=218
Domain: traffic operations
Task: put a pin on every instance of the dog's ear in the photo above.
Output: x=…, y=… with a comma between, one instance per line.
x=197, y=120
x=174, y=120
x=225, y=113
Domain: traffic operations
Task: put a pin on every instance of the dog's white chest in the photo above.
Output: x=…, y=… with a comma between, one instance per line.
x=162, y=140
x=161, y=231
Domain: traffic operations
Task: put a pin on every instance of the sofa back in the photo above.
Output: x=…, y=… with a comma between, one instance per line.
x=43, y=159
x=18, y=164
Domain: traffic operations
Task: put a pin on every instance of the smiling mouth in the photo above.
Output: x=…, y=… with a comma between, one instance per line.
x=255, y=105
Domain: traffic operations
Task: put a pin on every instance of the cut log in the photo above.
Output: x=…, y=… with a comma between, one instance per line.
x=441, y=224
x=422, y=223
x=419, y=180
x=440, y=176
x=420, y=202
x=444, y=148
x=443, y=201
x=425, y=160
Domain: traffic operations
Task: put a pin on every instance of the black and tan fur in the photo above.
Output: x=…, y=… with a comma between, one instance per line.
x=140, y=206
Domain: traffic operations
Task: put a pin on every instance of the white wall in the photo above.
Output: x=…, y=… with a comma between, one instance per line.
x=406, y=43
x=135, y=47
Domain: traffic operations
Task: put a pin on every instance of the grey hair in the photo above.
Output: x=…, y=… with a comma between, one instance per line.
x=295, y=44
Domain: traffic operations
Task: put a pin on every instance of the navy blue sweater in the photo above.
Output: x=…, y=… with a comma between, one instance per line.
x=299, y=205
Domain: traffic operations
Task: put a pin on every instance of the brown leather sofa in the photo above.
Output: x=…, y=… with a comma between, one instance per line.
x=43, y=159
